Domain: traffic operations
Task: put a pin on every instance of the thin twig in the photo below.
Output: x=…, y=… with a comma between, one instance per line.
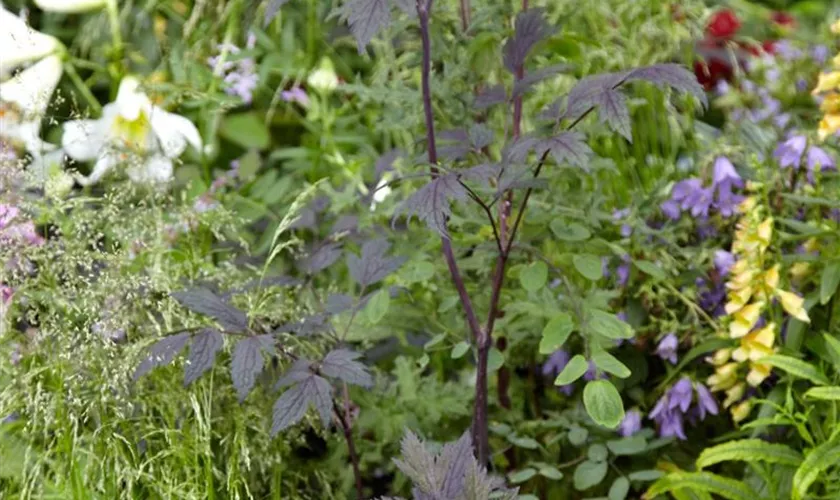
x=487, y=211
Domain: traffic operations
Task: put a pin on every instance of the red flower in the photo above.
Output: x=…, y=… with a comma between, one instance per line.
x=710, y=72
x=769, y=46
x=783, y=19
x=723, y=24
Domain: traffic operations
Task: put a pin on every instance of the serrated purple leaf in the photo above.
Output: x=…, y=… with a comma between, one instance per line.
x=300, y=370
x=342, y=364
x=529, y=29
x=480, y=136
x=323, y=257
x=522, y=86
x=306, y=219
x=612, y=110
x=320, y=392
x=289, y=409
x=490, y=96
x=566, y=147
x=345, y=224
x=453, y=144
x=272, y=9
x=373, y=265
x=483, y=173
x=162, y=353
x=337, y=303
x=585, y=94
x=247, y=364
x=672, y=75
x=454, y=459
x=366, y=18
x=203, y=348
x=431, y=203
x=309, y=325
x=517, y=151
x=203, y=301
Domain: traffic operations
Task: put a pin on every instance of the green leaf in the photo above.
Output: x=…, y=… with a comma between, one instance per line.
x=495, y=359
x=534, y=276
x=834, y=348
x=829, y=281
x=796, y=367
x=645, y=475
x=459, y=349
x=578, y=435
x=551, y=473
x=603, y=403
x=556, y=332
x=597, y=452
x=610, y=364
x=249, y=163
x=377, y=306
x=588, y=265
x=816, y=461
x=650, y=269
x=589, y=474
x=523, y=475
x=437, y=339
x=628, y=446
x=619, y=489
x=702, y=481
x=523, y=442
x=824, y=393
x=608, y=325
x=749, y=450
x=246, y=130
x=569, y=232
x=574, y=370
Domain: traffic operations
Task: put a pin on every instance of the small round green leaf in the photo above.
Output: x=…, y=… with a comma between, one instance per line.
x=556, y=332
x=588, y=265
x=378, y=305
x=589, y=474
x=495, y=359
x=523, y=475
x=578, y=435
x=523, y=442
x=650, y=269
x=534, y=276
x=551, y=473
x=575, y=369
x=610, y=364
x=603, y=403
x=569, y=232
x=619, y=489
x=459, y=349
x=597, y=452
x=608, y=325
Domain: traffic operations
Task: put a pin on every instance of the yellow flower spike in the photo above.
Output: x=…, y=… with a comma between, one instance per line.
x=799, y=271
x=735, y=393
x=745, y=320
x=836, y=61
x=831, y=103
x=827, y=81
x=749, y=202
x=771, y=278
x=720, y=357
x=829, y=125
x=765, y=231
x=741, y=411
x=725, y=376
x=739, y=266
x=758, y=372
x=738, y=299
x=756, y=344
x=811, y=244
x=794, y=305
x=835, y=28
x=740, y=280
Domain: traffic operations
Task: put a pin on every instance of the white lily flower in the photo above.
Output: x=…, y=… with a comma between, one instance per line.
x=324, y=78
x=131, y=131
x=19, y=43
x=69, y=6
x=23, y=104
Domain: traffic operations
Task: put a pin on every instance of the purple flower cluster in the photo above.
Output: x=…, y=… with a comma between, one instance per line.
x=622, y=271
x=240, y=74
x=631, y=424
x=667, y=348
x=15, y=231
x=295, y=94
x=619, y=216
x=791, y=152
x=676, y=404
x=691, y=196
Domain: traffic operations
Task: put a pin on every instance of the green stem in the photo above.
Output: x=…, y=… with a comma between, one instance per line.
x=116, y=35
x=83, y=89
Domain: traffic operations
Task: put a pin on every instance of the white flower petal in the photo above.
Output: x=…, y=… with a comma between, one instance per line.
x=69, y=6
x=173, y=132
x=130, y=101
x=20, y=43
x=157, y=169
x=105, y=163
x=84, y=139
x=46, y=165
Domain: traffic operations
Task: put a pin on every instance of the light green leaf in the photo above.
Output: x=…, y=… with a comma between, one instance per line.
x=249, y=163
x=702, y=481
x=534, y=276
x=459, y=349
x=589, y=474
x=569, y=232
x=829, y=281
x=495, y=359
x=816, y=461
x=246, y=130
x=610, y=364
x=645, y=475
x=749, y=450
x=834, y=346
x=419, y=271
x=377, y=306
x=437, y=339
x=578, y=435
x=556, y=332
x=603, y=403
x=628, y=446
x=597, y=452
x=523, y=442
x=551, y=473
x=619, y=489
x=650, y=269
x=523, y=475
x=575, y=369
x=796, y=367
x=588, y=265
x=824, y=393
x=608, y=325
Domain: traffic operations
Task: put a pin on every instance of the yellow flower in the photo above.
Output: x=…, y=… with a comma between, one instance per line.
x=799, y=270
x=757, y=344
x=740, y=280
x=831, y=103
x=765, y=231
x=771, y=278
x=758, y=372
x=829, y=125
x=735, y=393
x=748, y=204
x=835, y=28
x=741, y=411
x=738, y=299
x=828, y=81
x=720, y=357
x=745, y=319
x=794, y=305
x=724, y=377
x=811, y=244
